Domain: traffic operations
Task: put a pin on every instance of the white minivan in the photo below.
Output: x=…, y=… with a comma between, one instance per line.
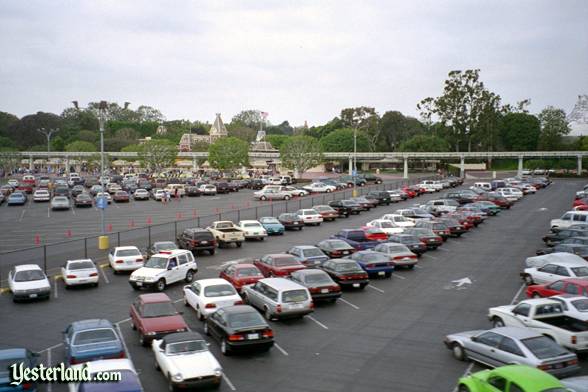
x=570, y=218
x=165, y=268
x=483, y=185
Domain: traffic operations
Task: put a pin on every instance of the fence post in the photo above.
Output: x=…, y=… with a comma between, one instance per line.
x=272, y=208
x=45, y=258
x=175, y=229
x=287, y=209
x=299, y=204
x=148, y=236
x=323, y=198
x=256, y=215
x=85, y=248
x=118, y=238
x=220, y=214
x=238, y=215
x=198, y=222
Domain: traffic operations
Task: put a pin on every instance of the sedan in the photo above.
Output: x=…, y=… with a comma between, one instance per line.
x=193, y=191
x=319, y=187
x=456, y=229
x=506, y=345
x=386, y=226
x=319, y=284
x=309, y=255
x=278, y=264
x=154, y=315
x=577, y=249
x=121, y=197
x=89, y=340
x=207, y=190
x=141, y=194
x=77, y=189
x=252, y=229
x=16, y=198
x=83, y=200
x=310, y=217
x=570, y=286
x=184, y=359
x=125, y=258
x=101, y=195
x=271, y=194
x=272, y=225
x=239, y=328
x=207, y=295
x=519, y=377
x=291, y=221
x=28, y=281
x=411, y=241
x=240, y=274
x=376, y=264
x=41, y=195
x=346, y=273
x=426, y=236
x=335, y=248
x=60, y=203
x=327, y=212
x=399, y=255
x=79, y=272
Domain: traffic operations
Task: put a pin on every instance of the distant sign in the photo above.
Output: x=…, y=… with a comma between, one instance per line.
x=101, y=202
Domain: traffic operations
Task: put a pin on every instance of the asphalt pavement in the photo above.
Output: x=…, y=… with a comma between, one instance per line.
x=385, y=337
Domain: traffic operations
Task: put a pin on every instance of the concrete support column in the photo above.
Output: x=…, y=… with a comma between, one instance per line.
x=405, y=168
x=194, y=163
x=66, y=164
x=461, y=166
x=520, y=170
x=350, y=165
x=579, y=165
x=31, y=165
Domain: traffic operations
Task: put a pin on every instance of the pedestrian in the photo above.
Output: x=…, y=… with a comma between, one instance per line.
x=176, y=194
x=167, y=196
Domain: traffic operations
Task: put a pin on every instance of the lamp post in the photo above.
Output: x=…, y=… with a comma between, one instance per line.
x=101, y=118
x=354, y=172
x=48, y=133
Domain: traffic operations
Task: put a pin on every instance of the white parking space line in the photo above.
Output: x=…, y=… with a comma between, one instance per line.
x=116, y=205
x=122, y=339
x=418, y=266
x=48, y=212
x=316, y=321
x=276, y=345
x=398, y=276
x=51, y=348
x=516, y=296
x=104, y=275
x=229, y=383
x=178, y=300
x=467, y=371
x=55, y=286
x=375, y=288
x=124, y=321
x=349, y=303
x=443, y=249
x=430, y=257
x=73, y=210
x=22, y=215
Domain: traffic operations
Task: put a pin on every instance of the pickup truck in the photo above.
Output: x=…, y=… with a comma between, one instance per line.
x=547, y=317
x=226, y=232
x=356, y=238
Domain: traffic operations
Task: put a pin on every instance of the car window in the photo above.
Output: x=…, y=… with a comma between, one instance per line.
x=294, y=296
x=572, y=289
x=580, y=218
x=271, y=293
x=522, y=309
x=515, y=388
x=219, y=290
x=183, y=259
x=489, y=339
x=543, y=347
x=558, y=286
x=94, y=336
x=510, y=346
x=562, y=271
x=498, y=383
x=549, y=268
x=566, y=216
x=196, y=288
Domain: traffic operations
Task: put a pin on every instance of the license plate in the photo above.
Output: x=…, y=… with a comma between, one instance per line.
x=296, y=306
x=381, y=273
x=139, y=283
x=558, y=365
x=129, y=262
x=253, y=336
x=346, y=252
x=295, y=223
x=324, y=291
x=32, y=295
x=204, y=242
x=431, y=240
x=355, y=284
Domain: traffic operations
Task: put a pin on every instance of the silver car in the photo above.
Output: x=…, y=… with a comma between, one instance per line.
x=513, y=345
x=60, y=203
x=271, y=194
x=399, y=254
x=279, y=298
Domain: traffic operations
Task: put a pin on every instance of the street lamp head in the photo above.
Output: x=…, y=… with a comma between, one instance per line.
x=103, y=105
x=127, y=105
x=75, y=103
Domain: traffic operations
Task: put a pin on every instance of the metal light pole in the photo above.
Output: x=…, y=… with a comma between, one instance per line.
x=354, y=172
x=101, y=118
x=48, y=133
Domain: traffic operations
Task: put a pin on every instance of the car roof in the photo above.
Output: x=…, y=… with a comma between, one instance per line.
x=154, y=298
x=211, y=281
x=235, y=309
x=304, y=247
x=249, y=221
x=83, y=325
x=26, y=267
x=527, y=377
x=125, y=248
x=281, y=283
x=516, y=332
x=79, y=260
x=181, y=337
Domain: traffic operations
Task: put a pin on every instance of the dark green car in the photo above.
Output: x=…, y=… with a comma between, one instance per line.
x=512, y=378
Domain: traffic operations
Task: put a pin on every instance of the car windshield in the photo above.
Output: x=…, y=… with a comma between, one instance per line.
x=165, y=246
x=284, y=261
x=251, y=225
x=339, y=245
x=219, y=290
x=270, y=220
x=419, y=211
x=60, y=199
x=186, y=347
x=375, y=258
x=159, y=309
x=294, y=296
x=395, y=249
x=245, y=272
x=400, y=218
x=289, y=217
x=127, y=253
x=94, y=336
x=580, y=271
x=312, y=252
x=28, y=276
x=581, y=304
x=78, y=265
x=245, y=320
x=347, y=267
x=543, y=347
x=317, y=278
x=156, y=262
x=386, y=225
x=439, y=226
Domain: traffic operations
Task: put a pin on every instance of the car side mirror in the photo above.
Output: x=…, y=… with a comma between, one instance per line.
x=474, y=338
x=169, y=267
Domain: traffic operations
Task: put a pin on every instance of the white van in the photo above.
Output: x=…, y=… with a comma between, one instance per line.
x=165, y=268
x=570, y=218
x=171, y=188
x=483, y=185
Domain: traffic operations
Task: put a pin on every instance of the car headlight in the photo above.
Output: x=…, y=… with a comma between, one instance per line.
x=149, y=279
x=218, y=372
x=178, y=377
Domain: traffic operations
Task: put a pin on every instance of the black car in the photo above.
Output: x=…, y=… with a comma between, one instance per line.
x=456, y=229
x=335, y=248
x=83, y=200
x=349, y=180
x=222, y=187
x=319, y=283
x=577, y=249
x=239, y=328
x=382, y=197
x=256, y=184
x=197, y=239
x=346, y=272
x=346, y=207
x=291, y=221
x=411, y=241
x=76, y=190
x=61, y=191
x=157, y=247
x=370, y=177
x=143, y=183
x=364, y=203
x=193, y=191
x=233, y=186
x=552, y=239
x=426, y=236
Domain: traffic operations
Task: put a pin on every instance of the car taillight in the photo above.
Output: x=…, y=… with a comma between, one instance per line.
x=210, y=306
x=544, y=367
x=334, y=288
x=370, y=265
x=70, y=276
x=234, y=338
x=574, y=339
x=279, y=309
x=122, y=354
x=195, y=242
x=439, y=239
x=268, y=333
x=119, y=262
x=27, y=386
x=94, y=274
x=73, y=361
x=572, y=362
x=238, y=302
x=390, y=264
x=311, y=305
x=139, y=260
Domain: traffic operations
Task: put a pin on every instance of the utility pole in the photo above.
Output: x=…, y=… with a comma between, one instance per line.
x=48, y=133
x=101, y=119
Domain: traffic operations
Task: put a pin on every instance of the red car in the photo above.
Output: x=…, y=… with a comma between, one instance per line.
x=462, y=219
x=25, y=187
x=240, y=275
x=580, y=202
x=564, y=286
x=121, y=197
x=374, y=234
x=327, y=212
x=154, y=315
x=409, y=192
x=278, y=264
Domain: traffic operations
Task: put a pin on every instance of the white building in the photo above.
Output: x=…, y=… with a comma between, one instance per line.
x=217, y=130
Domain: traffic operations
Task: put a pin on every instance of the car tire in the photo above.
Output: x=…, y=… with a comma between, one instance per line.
x=388, y=274
x=286, y=197
x=142, y=341
x=458, y=352
x=135, y=287
x=189, y=276
x=497, y=322
x=535, y=295
x=199, y=314
x=263, y=198
x=170, y=386
x=410, y=267
x=185, y=300
x=329, y=190
x=463, y=388
x=363, y=286
x=239, y=244
x=261, y=238
x=205, y=328
x=245, y=299
x=299, y=228
x=528, y=280
x=156, y=366
x=212, y=251
x=225, y=348
x=160, y=285
x=267, y=314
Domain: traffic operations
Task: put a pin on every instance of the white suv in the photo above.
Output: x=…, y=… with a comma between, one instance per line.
x=570, y=218
x=165, y=268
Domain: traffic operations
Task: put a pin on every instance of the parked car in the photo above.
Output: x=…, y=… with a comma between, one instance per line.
x=77, y=189
x=272, y=225
x=160, y=246
x=327, y=212
x=398, y=220
x=335, y=248
x=79, y=272
x=279, y=298
x=141, y=194
x=456, y=229
x=16, y=198
x=370, y=177
x=226, y=232
x=319, y=187
x=557, y=237
x=271, y=194
x=357, y=238
x=398, y=254
x=291, y=221
x=197, y=240
x=41, y=195
x=432, y=240
x=573, y=286
x=319, y=284
x=121, y=197
x=193, y=191
x=376, y=264
x=346, y=273
x=350, y=180
x=104, y=195
x=28, y=282
x=205, y=296
x=278, y=264
x=125, y=258
x=208, y=189
x=310, y=216
x=17, y=356
x=518, y=377
x=383, y=197
x=89, y=340
x=411, y=241
x=439, y=228
x=385, y=226
x=309, y=255
x=165, y=268
x=576, y=249
x=60, y=203
x=252, y=229
x=83, y=200
x=239, y=328
x=346, y=207
x=575, y=306
x=154, y=316
x=556, y=266
x=241, y=273
x=506, y=345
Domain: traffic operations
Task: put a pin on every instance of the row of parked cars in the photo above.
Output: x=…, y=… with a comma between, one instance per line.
x=536, y=341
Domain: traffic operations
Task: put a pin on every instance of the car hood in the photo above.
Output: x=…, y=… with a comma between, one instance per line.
x=147, y=272
x=464, y=335
x=35, y=284
x=193, y=365
x=160, y=324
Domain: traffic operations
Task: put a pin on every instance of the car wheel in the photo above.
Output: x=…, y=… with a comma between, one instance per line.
x=245, y=299
x=497, y=322
x=463, y=388
x=212, y=251
x=171, y=387
x=362, y=286
x=160, y=286
x=156, y=365
x=135, y=287
x=199, y=314
x=186, y=301
x=528, y=280
x=299, y=228
x=239, y=244
x=142, y=341
x=225, y=347
x=267, y=313
x=133, y=326
x=286, y=197
x=189, y=276
x=261, y=238
x=206, y=331
x=263, y=198
x=328, y=190
x=458, y=352
x=410, y=267
x=388, y=274
x=535, y=295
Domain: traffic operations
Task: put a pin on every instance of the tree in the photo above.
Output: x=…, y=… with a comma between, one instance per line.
x=366, y=119
x=9, y=160
x=127, y=134
x=300, y=153
x=277, y=140
x=228, y=153
x=425, y=143
x=80, y=146
x=248, y=118
x=283, y=129
x=114, y=145
x=149, y=114
x=24, y=132
x=94, y=161
x=323, y=130
x=57, y=143
x=242, y=132
x=342, y=141
x=156, y=155
x=520, y=132
x=88, y=136
x=396, y=129
x=6, y=121
x=553, y=126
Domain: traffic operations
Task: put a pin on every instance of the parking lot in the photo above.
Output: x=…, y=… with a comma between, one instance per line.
x=388, y=335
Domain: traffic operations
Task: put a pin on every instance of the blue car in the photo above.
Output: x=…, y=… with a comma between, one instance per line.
x=129, y=381
x=309, y=255
x=90, y=340
x=17, y=199
x=376, y=264
x=272, y=225
x=11, y=356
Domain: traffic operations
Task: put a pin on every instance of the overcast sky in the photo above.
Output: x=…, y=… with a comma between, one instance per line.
x=296, y=60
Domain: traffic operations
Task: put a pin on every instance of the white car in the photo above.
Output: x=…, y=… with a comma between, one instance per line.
x=437, y=185
x=398, y=220
x=28, y=281
x=184, y=359
x=165, y=268
x=12, y=182
x=386, y=226
x=125, y=258
x=568, y=219
x=511, y=194
x=73, y=180
x=429, y=188
x=141, y=194
x=293, y=191
x=207, y=295
x=310, y=216
x=319, y=187
x=60, y=203
x=554, y=266
x=158, y=194
x=79, y=272
x=106, y=195
x=252, y=229
x=41, y=195
x=575, y=306
x=208, y=189
x=113, y=187
x=124, y=366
